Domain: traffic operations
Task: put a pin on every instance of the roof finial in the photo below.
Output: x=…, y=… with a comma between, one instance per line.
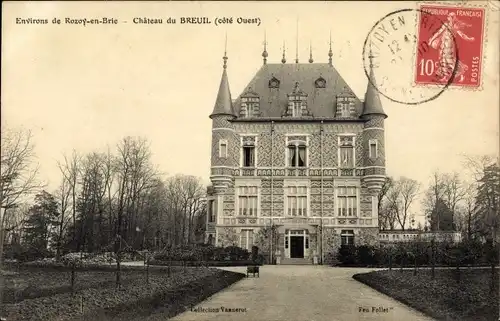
x=283, y=60
x=330, y=52
x=370, y=57
x=264, y=53
x=310, y=53
x=297, y=43
x=225, y=53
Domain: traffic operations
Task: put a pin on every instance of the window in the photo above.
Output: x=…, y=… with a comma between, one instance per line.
x=297, y=155
x=373, y=149
x=210, y=239
x=347, y=201
x=346, y=152
x=346, y=106
x=246, y=239
x=223, y=149
x=247, y=199
x=320, y=83
x=248, y=156
x=297, y=201
x=347, y=237
x=344, y=110
x=296, y=109
x=211, y=211
x=274, y=83
x=346, y=156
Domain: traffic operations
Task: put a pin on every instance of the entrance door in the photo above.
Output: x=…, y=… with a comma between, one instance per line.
x=297, y=246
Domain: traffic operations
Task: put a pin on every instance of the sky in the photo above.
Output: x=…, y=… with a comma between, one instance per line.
x=86, y=87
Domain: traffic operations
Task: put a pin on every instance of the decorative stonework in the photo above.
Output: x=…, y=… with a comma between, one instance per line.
x=222, y=122
x=359, y=150
x=296, y=138
x=378, y=135
x=227, y=236
x=233, y=148
x=374, y=171
x=221, y=171
x=329, y=150
x=264, y=150
x=375, y=122
x=248, y=140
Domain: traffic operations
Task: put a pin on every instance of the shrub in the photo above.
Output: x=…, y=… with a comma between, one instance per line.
x=236, y=253
x=347, y=254
x=366, y=255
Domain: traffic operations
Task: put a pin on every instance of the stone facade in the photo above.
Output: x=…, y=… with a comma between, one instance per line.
x=314, y=180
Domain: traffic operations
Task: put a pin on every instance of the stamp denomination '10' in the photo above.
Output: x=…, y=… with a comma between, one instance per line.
x=455, y=45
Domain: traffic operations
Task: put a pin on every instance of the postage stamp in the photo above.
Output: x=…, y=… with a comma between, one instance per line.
x=389, y=55
x=456, y=45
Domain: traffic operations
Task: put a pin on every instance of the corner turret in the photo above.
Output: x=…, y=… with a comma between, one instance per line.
x=224, y=140
x=373, y=136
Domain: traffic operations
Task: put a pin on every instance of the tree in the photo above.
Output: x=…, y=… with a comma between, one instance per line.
x=441, y=217
x=62, y=196
x=400, y=198
x=70, y=170
x=18, y=173
x=40, y=227
x=135, y=175
x=387, y=219
x=445, y=192
x=485, y=172
x=465, y=212
x=488, y=203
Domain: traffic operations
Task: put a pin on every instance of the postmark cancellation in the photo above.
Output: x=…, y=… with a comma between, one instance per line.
x=413, y=55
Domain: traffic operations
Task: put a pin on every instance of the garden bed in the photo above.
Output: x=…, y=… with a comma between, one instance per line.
x=470, y=299
x=202, y=263
x=136, y=297
x=31, y=283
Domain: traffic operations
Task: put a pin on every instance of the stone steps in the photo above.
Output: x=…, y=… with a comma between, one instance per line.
x=295, y=261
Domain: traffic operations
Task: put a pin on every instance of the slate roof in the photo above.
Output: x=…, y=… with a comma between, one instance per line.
x=321, y=102
x=372, y=98
x=223, y=103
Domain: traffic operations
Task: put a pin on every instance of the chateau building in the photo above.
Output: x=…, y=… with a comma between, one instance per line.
x=298, y=154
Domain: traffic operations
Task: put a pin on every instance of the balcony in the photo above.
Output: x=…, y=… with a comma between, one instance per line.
x=298, y=172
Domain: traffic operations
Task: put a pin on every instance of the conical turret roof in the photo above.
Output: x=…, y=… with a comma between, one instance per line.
x=224, y=103
x=372, y=103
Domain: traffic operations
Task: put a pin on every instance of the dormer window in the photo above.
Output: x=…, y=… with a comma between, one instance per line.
x=346, y=104
x=274, y=83
x=250, y=104
x=297, y=103
x=320, y=83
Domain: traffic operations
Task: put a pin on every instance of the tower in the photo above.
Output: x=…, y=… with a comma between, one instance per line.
x=373, y=136
x=224, y=148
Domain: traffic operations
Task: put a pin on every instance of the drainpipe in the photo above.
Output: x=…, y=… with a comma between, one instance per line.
x=321, y=168
x=272, y=194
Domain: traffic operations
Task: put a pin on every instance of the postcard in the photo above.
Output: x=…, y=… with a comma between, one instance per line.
x=259, y=161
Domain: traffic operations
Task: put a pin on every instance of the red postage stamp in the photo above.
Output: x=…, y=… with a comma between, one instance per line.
x=449, y=46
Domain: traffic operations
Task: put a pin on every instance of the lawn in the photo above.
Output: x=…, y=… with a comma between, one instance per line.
x=45, y=294
x=444, y=298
